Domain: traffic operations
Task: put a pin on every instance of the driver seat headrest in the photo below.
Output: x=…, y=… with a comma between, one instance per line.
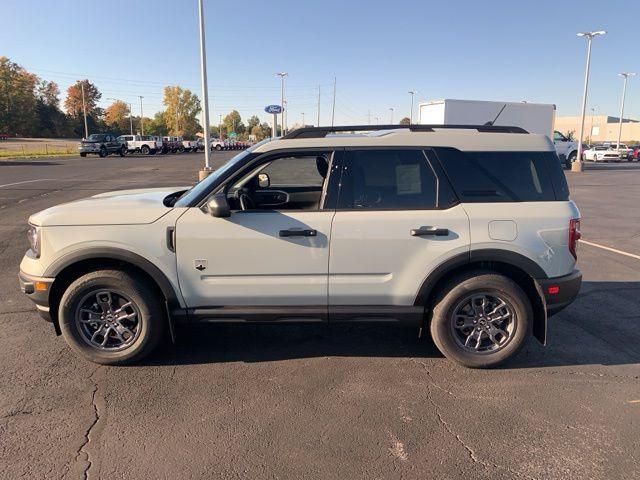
x=322, y=164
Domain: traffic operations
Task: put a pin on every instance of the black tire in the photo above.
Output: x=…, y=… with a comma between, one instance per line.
x=218, y=147
x=83, y=155
x=480, y=283
x=145, y=150
x=103, y=152
x=144, y=300
x=123, y=151
x=572, y=158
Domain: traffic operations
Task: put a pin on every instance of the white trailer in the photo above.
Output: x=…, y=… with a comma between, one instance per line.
x=533, y=117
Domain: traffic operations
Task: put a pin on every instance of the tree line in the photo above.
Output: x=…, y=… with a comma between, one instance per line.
x=30, y=107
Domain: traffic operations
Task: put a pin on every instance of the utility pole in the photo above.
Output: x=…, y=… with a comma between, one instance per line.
x=285, y=116
x=303, y=119
x=318, y=123
x=205, y=95
x=220, y=126
x=141, y=116
x=624, y=93
x=412, y=93
x=333, y=110
x=130, y=118
x=84, y=111
x=577, y=165
x=177, y=120
x=282, y=75
x=391, y=110
x=377, y=120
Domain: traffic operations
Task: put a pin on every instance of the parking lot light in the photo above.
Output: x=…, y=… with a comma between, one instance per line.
x=578, y=163
x=391, y=114
x=624, y=93
x=205, y=96
x=412, y=93
x=576, y=166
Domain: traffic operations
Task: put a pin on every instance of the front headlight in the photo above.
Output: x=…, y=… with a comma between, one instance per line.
x=33, y=236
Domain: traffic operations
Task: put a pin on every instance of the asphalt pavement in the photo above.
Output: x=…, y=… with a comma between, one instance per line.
x=320, y=402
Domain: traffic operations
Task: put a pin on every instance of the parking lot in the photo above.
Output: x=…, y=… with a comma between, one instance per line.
x=321, y=402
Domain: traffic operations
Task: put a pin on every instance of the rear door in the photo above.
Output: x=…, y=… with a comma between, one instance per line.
x=397, y=220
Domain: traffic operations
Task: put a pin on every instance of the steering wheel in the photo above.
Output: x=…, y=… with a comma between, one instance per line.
x=246, y=202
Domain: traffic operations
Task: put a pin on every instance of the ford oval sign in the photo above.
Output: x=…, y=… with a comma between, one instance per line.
x=275, y=109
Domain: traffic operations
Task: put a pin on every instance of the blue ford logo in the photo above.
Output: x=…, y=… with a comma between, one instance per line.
x=273, y=109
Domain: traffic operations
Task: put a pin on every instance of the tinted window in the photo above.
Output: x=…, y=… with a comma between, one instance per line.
x=297, y=170
x=388, y=179
x=498, y=176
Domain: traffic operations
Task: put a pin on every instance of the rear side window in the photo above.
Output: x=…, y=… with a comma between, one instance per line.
x=479, y=177
x=388, y=179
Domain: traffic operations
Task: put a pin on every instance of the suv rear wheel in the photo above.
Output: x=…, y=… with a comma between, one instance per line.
x=145, y=150
x=111, y=317
x=480, y=319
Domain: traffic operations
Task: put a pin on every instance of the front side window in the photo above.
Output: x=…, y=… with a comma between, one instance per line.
x=387, y=180
x=292, y=182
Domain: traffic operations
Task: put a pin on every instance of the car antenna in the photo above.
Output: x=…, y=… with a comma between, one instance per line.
x=491, y=122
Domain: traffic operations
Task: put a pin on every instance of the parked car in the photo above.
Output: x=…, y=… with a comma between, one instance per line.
x=172, y=144
x=606, y=153
x=635, y=153
x=216, y=144
x=431, y=228
x=102, y=144
x=190, y=145
x=144, y=144
x=4, y=136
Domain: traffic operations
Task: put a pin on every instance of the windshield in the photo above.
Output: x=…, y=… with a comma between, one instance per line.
x=204, y=185
x=94, y=137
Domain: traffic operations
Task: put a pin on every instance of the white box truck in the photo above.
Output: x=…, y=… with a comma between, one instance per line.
x=533, y=117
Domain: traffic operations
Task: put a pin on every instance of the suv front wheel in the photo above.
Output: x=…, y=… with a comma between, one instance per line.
x=480, y=319
x=111, y=317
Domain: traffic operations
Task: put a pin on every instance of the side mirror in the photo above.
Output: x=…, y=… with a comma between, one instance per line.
x=218, y=206
x=263, y=180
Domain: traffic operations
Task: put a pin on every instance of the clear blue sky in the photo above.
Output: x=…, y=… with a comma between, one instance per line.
x=495, y=50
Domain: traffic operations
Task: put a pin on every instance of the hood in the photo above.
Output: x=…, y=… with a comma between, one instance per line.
x=123, y=207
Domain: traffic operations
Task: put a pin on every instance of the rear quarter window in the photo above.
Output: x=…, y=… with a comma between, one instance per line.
x=479, y=177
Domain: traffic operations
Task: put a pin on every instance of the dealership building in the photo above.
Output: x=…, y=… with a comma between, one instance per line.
x=600, y=128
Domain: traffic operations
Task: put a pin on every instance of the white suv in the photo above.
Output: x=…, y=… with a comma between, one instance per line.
x=466, y=231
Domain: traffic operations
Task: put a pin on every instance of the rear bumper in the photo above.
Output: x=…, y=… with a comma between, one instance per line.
x=37, y=289
x=560, y=292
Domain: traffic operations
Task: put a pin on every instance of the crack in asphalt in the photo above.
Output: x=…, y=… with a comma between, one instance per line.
x=471, y=453
x=83, y=450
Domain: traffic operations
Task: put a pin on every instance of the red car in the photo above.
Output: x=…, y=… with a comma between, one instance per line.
x=635, y=153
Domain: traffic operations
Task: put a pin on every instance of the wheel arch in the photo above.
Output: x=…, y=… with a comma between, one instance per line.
x=71, y=267
x=515, y=266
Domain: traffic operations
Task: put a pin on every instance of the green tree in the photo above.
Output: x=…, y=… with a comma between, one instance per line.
x=156, y=125
x=18, y=114
x=233, y=122
x=52, y=122
x=252, y=122
x=405, y=121
x=183, y=106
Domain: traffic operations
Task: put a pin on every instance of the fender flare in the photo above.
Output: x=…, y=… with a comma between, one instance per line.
x=112, y=253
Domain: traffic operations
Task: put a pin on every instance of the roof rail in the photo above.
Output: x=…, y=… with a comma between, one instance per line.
x=320, y=132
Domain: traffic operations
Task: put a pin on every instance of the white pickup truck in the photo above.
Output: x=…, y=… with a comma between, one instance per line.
x=190, y=145
x=144, y=144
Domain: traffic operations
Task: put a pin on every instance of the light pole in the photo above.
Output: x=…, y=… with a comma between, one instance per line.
x=282, y=75
x=391, y=110
x=318, y=124
x=577, y=165
x=285, y=114
x=141, y=116
x=333, y=109
x=412, y=93
x=220, y=126
x=130, y=112
x=593, y=113
x=624, y=93
x=302, y=119
x=84, y=111
x=377, y=120
x=205, y=95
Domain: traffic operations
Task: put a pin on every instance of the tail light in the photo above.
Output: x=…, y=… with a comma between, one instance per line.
x=574, y=236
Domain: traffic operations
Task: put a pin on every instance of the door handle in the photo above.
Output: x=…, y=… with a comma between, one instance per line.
x=429, y=232
x=298, y=232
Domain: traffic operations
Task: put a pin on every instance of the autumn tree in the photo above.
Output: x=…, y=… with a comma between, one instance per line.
x=18, y=115
x=405, y=121
x=233, y=122
x=73, y=107
x=252, y=122
x=183, y=106
x=117, y=117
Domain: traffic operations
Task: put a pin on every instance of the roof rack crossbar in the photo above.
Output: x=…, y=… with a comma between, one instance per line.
x=319, y=132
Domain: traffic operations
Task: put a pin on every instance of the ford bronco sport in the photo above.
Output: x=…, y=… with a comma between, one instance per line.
x=466, y=231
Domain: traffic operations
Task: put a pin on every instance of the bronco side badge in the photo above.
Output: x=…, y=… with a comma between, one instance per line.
x=200, y=264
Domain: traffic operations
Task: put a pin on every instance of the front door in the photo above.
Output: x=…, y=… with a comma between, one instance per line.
x=396, y=220
x=274, y=248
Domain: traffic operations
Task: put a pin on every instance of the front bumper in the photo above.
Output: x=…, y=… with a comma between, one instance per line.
x=89, y=148
x=560, y=292
x=37, y=289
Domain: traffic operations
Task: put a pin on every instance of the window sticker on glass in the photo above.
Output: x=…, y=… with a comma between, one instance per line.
x=408, y=179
